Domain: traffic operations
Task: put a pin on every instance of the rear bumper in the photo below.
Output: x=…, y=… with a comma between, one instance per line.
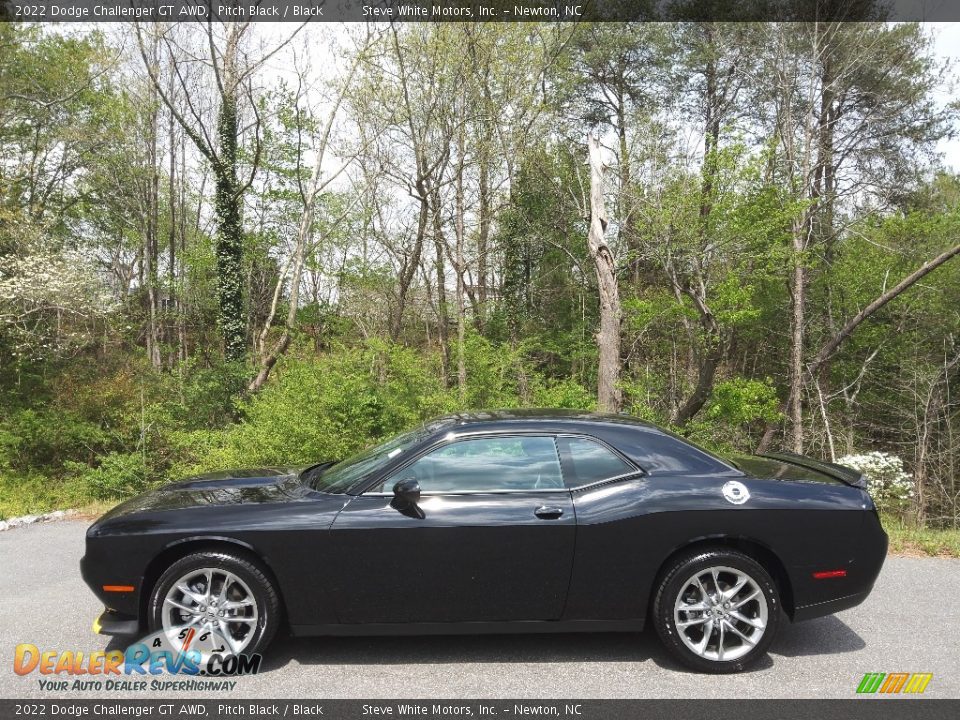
x=809, y=612
x=110, y=622
x=828, y=596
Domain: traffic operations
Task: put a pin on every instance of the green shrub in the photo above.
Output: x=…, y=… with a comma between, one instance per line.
x=42, y=438
x=111, y=434
x=331, y=406
x=323, y=408
x=564, y=394
x=741, y=401
x=119, y=475
x=27, y=494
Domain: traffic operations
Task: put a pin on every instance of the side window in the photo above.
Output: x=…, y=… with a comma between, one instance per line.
x=486, y=465
x=591, y=461
x=660, y=453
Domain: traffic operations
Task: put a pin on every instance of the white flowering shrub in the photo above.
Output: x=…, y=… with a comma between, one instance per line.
x=890, y=486
x=49, y=301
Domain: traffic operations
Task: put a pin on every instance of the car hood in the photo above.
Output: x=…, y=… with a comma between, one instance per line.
x=224, y=487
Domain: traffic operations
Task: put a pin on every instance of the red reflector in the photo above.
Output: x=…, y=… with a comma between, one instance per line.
x=824, y=574
x=118, y=588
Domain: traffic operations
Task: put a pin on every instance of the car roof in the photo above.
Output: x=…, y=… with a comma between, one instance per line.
x=614, y=429
x=541, y=418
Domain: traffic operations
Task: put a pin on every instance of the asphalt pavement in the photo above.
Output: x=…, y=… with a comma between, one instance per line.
x=911, y=623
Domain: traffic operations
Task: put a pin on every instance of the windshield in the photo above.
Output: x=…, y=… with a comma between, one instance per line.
x=338, y=478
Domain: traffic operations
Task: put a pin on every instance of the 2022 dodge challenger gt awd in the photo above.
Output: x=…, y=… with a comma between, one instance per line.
x=501, y=521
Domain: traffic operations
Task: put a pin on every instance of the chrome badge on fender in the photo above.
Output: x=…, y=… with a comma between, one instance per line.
x=736, y=492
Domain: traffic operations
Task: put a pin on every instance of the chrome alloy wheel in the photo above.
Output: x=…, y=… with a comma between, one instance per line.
x=720, y=613
x=217, y=605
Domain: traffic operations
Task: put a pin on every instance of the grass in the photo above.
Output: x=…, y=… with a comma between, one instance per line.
x=921, y=542
x=34, y=495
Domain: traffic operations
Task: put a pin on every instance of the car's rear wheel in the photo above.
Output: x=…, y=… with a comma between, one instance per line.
x=716, y=611
x=215, y=602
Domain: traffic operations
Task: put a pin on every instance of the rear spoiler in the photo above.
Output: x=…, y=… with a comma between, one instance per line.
x=848, y=476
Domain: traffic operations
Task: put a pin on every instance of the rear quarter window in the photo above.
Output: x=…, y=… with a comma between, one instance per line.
x=662, y=454
x=591, y=462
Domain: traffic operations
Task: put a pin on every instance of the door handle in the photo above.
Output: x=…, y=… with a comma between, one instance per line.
x=545, y=512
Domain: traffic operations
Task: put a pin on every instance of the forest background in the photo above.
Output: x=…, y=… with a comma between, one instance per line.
x=243, y=244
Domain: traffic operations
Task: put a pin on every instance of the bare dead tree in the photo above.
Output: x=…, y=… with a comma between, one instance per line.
x=608, y=337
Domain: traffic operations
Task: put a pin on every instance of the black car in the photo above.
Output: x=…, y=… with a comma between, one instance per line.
x=494, y=522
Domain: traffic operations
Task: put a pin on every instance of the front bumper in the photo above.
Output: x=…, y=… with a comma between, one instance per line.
x=101, y=569
x=110, y=622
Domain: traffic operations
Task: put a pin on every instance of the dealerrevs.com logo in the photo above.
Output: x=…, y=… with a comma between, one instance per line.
x=894, y=683
x=137, y=667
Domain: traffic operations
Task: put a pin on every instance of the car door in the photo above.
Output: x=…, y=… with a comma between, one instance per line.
x=490, y=539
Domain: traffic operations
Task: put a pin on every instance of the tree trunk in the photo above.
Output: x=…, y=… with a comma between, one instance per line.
x=711, y=354
x=626, y=207
x=483, y=234
x=269, y=359
x=172, y=314
x=798, y=283
x=443, y=312
x=461, y=305
x=152, y=238
x=229, y=244
x=223, y=154
x=608, y=338
x=182, y=307
x=410, y=265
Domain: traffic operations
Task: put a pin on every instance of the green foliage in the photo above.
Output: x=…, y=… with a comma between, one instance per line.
x=31, y=439
x=734, y=303
x=105, y=430
x=118, y=476
x=27, y=494
x=324, y=409
x=566, y=393
x=482, y=132
x=739, y=407
x=656, y=310
x=741, y=401
x=330, y=406
x=110, y=431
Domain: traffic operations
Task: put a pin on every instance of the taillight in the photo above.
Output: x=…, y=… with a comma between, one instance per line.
x=826, y=574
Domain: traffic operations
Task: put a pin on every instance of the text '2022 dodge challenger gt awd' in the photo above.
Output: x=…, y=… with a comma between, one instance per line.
x=501, y=521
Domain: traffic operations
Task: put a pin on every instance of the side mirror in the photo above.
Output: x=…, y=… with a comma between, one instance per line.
x=407, y=490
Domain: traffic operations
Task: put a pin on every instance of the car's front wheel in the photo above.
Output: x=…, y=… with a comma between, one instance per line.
x=215, y=602
x=716, y=611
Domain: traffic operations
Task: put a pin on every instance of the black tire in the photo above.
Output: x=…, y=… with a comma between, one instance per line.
x=264, y=594
x=675, y=581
